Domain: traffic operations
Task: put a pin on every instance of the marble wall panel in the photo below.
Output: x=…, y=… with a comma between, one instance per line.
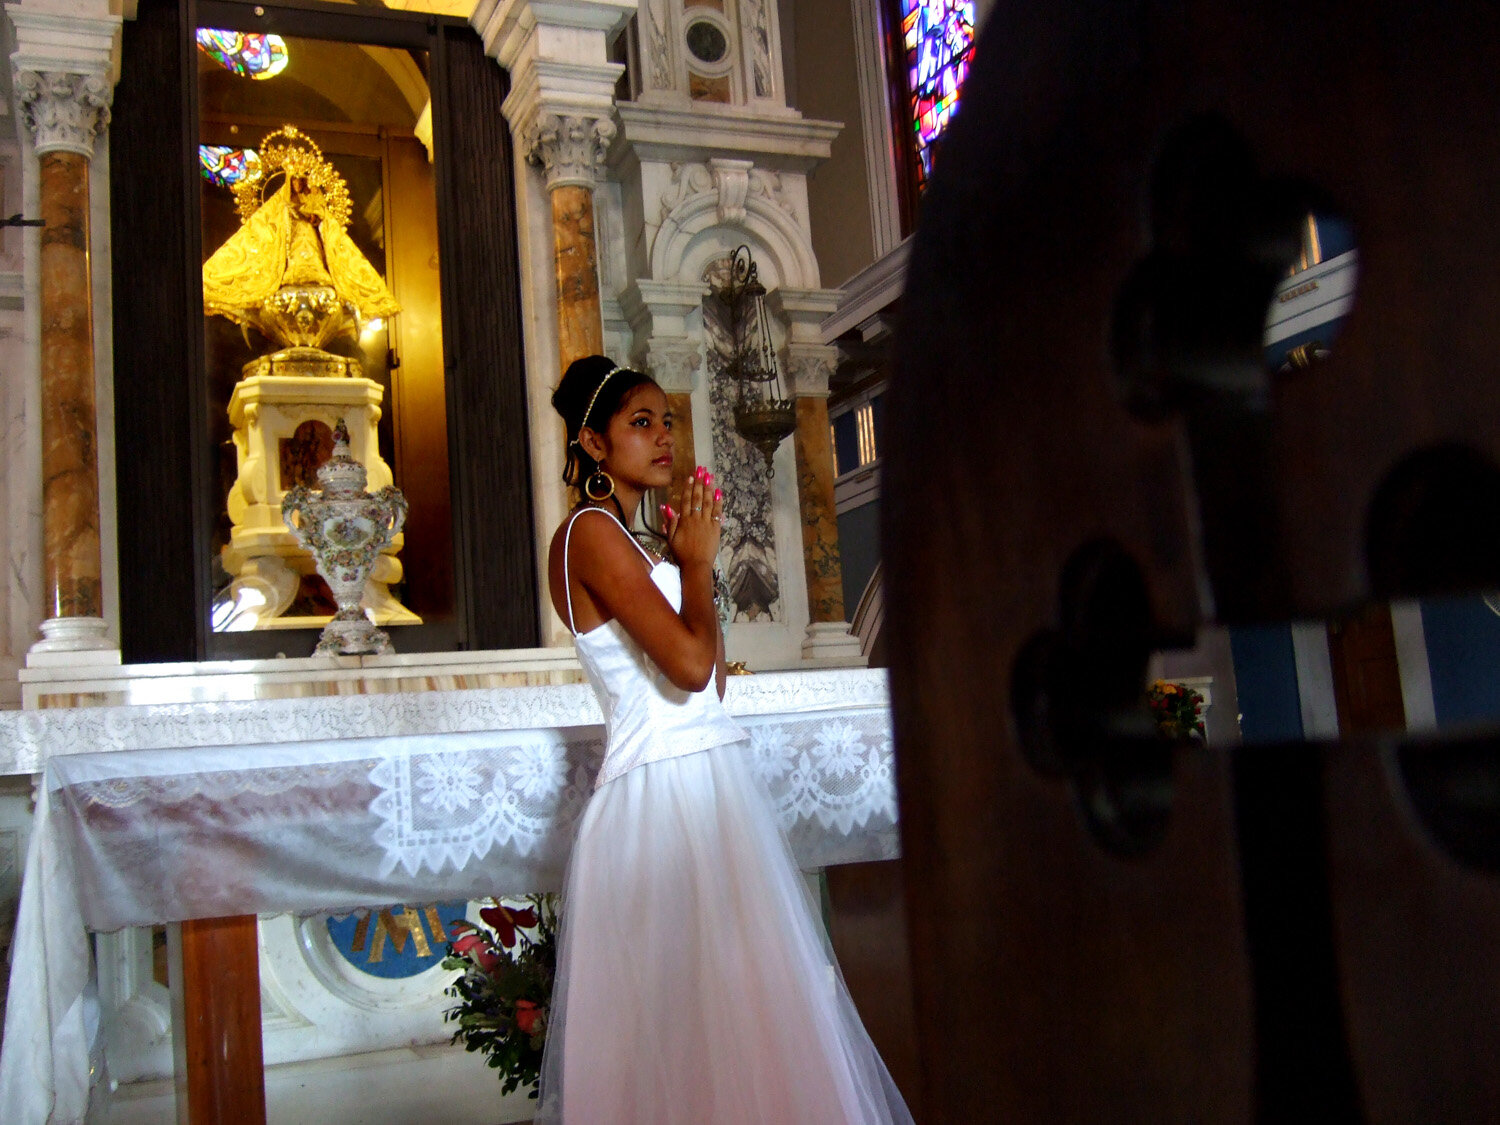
x=219, y=688
x=102, y=267
x=20, y=399
x=12, y=418
x=543, y=369
x=747, y=553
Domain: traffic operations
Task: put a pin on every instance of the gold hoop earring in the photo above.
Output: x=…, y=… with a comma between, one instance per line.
x=599, y=486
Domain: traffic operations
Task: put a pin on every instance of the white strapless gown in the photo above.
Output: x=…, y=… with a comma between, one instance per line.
x=695, y=985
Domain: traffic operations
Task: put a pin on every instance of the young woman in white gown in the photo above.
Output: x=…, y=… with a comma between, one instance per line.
x=694, y=983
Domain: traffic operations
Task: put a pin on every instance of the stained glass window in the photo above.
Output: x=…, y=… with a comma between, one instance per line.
x=225, y=166
x=939, y=39
x=245, y=53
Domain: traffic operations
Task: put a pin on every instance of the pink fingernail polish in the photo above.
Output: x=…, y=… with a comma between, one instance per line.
x=718, y=494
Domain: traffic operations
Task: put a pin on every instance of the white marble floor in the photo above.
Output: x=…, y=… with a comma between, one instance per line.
x=437, y=1085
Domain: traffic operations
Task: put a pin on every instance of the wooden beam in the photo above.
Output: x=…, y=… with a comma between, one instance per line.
x=219, y=1066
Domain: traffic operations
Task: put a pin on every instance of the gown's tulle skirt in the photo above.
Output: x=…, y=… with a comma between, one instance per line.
x=695, y=986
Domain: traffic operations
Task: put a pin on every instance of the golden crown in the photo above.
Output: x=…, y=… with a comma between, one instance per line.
x=297, y=156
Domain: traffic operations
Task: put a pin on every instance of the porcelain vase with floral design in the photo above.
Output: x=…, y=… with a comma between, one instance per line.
x=345, y=528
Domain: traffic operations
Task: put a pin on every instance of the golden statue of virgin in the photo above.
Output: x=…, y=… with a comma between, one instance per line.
x=291, y=270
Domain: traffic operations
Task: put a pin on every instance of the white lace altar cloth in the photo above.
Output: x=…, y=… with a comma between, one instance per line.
x=459, y=798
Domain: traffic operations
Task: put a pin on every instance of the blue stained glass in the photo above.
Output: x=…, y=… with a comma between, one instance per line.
x=225, y=166
x=938, y=36
x=248, y=54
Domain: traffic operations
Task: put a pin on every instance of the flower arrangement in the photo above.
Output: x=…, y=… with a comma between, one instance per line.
x=1177, y=709
x=505, y=992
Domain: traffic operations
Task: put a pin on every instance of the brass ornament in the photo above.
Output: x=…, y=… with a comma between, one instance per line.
x=763, y=416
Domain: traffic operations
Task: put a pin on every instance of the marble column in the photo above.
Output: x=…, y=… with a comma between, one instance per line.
x=70, y=469
x=580, y=324
x=684, y=453
x=570, y=149
x=809, y=365
x=820, y=528
x=65, y=113
x=814, y=448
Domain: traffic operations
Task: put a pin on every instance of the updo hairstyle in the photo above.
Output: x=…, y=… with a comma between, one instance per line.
x=580, y=387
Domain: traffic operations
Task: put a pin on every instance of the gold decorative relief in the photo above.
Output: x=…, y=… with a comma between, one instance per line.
x=291, y=271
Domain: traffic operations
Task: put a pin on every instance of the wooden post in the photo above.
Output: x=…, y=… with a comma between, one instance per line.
x=1366, y=673
x=220, y=1072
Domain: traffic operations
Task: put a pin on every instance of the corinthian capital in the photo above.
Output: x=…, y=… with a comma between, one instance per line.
x=569, y=148
x=65, y=111
x=675, y=363
x=809, y=367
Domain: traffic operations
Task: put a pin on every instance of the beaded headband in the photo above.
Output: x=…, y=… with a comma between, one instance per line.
x=595, y=398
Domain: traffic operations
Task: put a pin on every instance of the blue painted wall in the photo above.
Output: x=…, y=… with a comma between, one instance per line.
x=859, y=551
x=1463, y=652
x=1265, y=676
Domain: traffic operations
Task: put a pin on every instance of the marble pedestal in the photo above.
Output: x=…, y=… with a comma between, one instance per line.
x=264, y=558
x=831, y=644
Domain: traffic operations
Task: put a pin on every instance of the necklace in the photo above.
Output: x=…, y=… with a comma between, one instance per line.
x=650, y=543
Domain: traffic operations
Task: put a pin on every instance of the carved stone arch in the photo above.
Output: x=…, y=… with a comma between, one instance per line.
x=692, y=236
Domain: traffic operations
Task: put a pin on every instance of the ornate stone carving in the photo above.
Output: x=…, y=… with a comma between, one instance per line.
x=674, y=364
x=688, y=180
x=732, y=181
x=569, y=148
x=65, y=112
x=768, y=185
x=735, y=182
x=809, y=368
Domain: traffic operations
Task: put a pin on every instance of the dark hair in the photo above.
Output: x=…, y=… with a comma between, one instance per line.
x=580, y=392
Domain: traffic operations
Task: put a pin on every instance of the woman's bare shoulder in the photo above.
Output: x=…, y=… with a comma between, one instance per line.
x=594, y=541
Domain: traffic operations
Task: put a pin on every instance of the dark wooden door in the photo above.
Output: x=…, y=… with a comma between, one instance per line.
x=1086, y=458
x=1366, y=671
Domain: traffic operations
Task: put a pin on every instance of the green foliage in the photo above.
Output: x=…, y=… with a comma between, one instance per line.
x=505, y=993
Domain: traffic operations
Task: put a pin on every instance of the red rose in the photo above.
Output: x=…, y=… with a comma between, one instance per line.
x=477, y=950
x=527, y=1014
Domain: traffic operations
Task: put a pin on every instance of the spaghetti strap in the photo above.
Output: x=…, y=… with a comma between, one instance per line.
x=567, y=537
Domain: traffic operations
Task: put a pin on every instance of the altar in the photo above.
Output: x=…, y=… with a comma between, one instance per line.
x=177, y=811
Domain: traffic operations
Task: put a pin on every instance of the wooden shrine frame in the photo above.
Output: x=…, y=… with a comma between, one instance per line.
x=161, y=399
